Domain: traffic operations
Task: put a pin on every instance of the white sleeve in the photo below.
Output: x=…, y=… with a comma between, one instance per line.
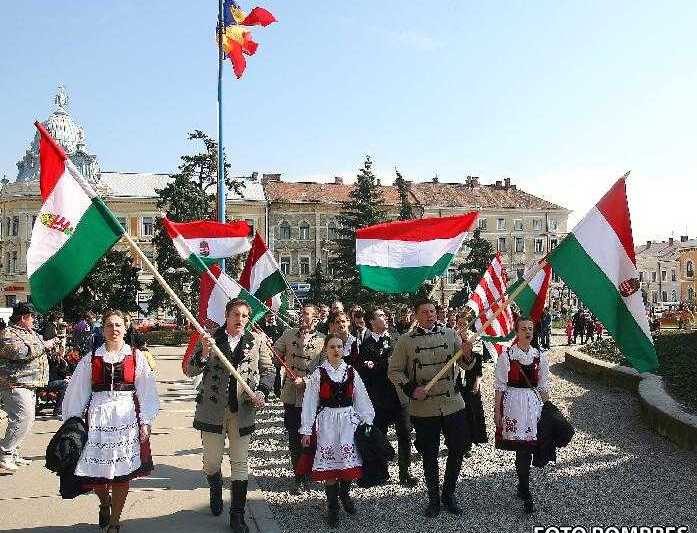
x=543, y=383
x=146, y=390
x=310, y=402
x=361, y=400
x=501, y=373
x=79, y=390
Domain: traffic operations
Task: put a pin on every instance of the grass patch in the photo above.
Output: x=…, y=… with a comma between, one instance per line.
x=677, y=362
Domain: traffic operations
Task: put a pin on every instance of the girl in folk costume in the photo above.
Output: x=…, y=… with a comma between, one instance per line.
x=522, y=385
x=117, y=387
x=335, y=403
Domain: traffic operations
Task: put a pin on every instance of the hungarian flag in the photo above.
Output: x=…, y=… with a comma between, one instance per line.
x=485, y=302
x=532, y=298
x=596, y=260
x=73, y=230
x=399, y=256
x=261, y=275
x=202, y=242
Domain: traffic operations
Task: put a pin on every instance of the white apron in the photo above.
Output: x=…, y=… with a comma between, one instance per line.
x=521, y=412
x=336, y=446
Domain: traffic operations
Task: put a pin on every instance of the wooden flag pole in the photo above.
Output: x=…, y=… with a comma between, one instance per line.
x=502, y=302
x=275, y=352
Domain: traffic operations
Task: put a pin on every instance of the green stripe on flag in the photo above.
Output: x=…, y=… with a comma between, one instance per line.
x=591, y=285
x=525, y=299
x=271, y=286
x=96, y=232
x=407, y=279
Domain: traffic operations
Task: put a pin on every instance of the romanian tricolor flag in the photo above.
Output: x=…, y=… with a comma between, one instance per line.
x=237, y=38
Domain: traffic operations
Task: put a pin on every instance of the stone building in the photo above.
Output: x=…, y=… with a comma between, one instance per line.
x=659, y=271
x=687, y=261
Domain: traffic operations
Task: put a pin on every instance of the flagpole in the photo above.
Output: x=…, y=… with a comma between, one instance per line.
x=79, y=178
x=502, y=304
x=221, y=163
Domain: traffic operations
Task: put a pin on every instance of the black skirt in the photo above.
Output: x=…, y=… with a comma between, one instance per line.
x=474, y=411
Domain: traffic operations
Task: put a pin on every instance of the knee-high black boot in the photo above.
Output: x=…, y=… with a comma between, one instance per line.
x=452, y=473
x=431, y=479
x=345, y=497
x=332, y=504
x=215, y=484
x=238, y=490
x=295, y=450
x=522, y=468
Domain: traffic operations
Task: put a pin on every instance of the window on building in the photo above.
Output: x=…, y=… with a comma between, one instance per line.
x=14, y=262
x=285, y=231
x=654, y=277
x=690, y=269
x=553, y=224
x=147, y=228
x=15, y=226
x=553, y=244
x=501, y=224
x=285, y=266
x=664, y=275
x=304, y=231
x=329, y=266
x=451, y=276
x=690, y=294
x=641, y=276
x=482, y=224
x=519, y=245
x=10, y=300
x=673, y=275
x=555, y=278
x=518, y=225
x=674, y=295
x=7, y=263
x=664, y=296
x=123, y=221
x=654, y=297
x=33, y=221
x=537, y=224
x=250, y=223
x=520, y=273
x=304, y=266
x=539, y=246
x=501, y=244
x=331, y=230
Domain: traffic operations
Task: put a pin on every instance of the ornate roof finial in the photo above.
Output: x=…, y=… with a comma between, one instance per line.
x=61, y=99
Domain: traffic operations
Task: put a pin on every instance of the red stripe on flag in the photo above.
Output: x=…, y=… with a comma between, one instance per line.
x=258, y=249
x=614, y=208
x=539, y=305
x=258, y=17
x=239, y=63
x=51, y=161
x=205, y=289
x=206, y=229
x=423, y=229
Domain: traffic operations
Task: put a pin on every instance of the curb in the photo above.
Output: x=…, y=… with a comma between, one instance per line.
x=658, y=409
x=259, y=511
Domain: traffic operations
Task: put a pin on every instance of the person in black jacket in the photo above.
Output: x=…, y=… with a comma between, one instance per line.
x=390, y=406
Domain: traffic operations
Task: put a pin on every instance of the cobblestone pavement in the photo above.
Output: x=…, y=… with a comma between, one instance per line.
x=615, y=472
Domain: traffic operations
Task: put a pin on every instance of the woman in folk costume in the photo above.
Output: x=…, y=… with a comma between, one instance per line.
x=117, y=387
x=335, y=403
x=522, y=385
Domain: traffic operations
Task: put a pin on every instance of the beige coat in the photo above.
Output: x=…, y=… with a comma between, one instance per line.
x=417, y=357
x=301, y=357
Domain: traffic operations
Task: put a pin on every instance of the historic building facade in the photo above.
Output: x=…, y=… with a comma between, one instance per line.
x=659, y=271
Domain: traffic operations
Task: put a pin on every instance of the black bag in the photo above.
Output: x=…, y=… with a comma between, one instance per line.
x=372, y=444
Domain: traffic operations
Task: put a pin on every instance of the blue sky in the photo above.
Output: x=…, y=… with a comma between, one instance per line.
x=562, y=97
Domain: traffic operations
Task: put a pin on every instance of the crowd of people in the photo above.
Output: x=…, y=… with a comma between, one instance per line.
x=583, y=327
x=334, y=373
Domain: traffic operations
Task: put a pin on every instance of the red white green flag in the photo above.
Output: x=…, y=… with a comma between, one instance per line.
x=596, y=260
x=73, y=230
x=532, y=298
x=399, y=256
x=203, y=242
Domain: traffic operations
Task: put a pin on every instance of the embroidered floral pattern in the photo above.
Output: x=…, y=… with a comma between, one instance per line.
x=511, y=425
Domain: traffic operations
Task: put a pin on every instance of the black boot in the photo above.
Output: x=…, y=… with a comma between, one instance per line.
x=215, y=482
x=238, y=491
x=522, y=467
x=431, y=478
x=452, y=472
x=405, y=478
x=345, y=497
x=332, y=504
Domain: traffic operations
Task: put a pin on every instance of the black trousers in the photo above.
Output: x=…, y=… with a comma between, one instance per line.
x=456, y=431
x=523, y=460
x=291, y=421
x=399, y=416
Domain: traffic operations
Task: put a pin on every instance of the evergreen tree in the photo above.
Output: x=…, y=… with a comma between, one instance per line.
x=319, y=286
x=189, y=196
x=470, y=271
x=112, y=284
x=365, y=207
x=406, y=211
